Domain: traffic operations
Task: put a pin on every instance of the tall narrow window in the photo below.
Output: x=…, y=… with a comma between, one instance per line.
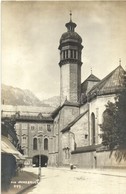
x=67, y=54
x=45, y=144
x=35, y=144
x=63, y=54
x=48, y=128
x=71, y=53
x=93, y=127
x=74, y=54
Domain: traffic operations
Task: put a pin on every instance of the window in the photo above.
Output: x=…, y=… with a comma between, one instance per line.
x=24, y=125
x=40, y=128
x=93, y=127
x=66, y=53
x=32, y=127
x=71, y=53
x=35, y=144
x=24, y=139
x=48, y=128
x=63, y=54
x=45, y=144
x=86, y=136
x=74, y=54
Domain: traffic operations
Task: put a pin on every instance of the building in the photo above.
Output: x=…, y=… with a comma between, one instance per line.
x=11, y=153
x=82, y=106
x=71, y=133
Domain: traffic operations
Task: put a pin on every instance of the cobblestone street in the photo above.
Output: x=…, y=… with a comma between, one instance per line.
x=79, y=181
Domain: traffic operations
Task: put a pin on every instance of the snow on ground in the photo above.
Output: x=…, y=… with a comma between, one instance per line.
x=66, y=181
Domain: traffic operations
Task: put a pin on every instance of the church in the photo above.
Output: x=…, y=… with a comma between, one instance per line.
x=71, y=133
x=77, y=133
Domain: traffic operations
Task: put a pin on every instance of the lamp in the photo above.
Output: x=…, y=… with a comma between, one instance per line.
x=40, y=143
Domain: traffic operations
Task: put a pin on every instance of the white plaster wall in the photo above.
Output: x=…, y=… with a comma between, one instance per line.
x=97, y=106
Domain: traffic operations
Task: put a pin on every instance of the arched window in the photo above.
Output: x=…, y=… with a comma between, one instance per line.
x=35, y=144
x=93, y=127
x=45, y=144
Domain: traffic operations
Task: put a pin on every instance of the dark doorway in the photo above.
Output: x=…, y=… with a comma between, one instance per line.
x=44, y=161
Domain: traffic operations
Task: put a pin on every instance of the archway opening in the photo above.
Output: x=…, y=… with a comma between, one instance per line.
x=44, y=161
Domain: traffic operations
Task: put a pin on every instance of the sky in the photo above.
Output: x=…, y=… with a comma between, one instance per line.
x=31, y=31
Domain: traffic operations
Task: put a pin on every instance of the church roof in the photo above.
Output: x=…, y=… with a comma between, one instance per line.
x=67, y=128
x=91, y=78
x=110, y=84
x=70, y=35
x=66, y=103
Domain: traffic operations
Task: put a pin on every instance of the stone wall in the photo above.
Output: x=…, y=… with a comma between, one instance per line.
x=102, y=159
x=80, y=131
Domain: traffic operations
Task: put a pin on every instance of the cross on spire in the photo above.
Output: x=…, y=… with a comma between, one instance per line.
x=91, y=69
x=120, y=61
x=70, y=16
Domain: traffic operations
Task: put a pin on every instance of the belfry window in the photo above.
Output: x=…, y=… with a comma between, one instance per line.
x=35, y=144
x=66, y=54
x=63, y=54
x=74, y=54
x=71, y=53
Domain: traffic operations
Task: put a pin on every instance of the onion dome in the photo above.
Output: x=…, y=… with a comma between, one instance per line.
x=70, y=35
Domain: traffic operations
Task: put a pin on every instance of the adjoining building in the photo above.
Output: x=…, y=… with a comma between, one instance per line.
x=11, y=152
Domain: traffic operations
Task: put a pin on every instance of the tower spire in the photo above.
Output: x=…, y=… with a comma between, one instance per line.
x=120, y=61
x=70, y=16
x=91, y=69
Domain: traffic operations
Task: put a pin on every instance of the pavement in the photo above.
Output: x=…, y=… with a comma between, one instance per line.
x=79, y=181
x=120, y=172
x=63, y=180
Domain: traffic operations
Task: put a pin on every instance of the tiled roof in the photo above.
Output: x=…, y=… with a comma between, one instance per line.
x=112, y=80
x=33, y=118
x=67, y=128
x=91, y=78
x=89, y=148
x=66, y=103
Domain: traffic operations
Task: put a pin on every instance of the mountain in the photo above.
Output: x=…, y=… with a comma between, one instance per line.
x=16, y=96
x=53, y=101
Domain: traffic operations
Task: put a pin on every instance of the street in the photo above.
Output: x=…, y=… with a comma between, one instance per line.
x=78, y=181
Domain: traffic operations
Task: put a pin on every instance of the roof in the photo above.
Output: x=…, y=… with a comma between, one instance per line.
x=67, y=128
x=89, y=148
x=8, y=147
x=70, y=35
x=34, y=118
x=91, y=78
x=66, y=103
x=110, y=82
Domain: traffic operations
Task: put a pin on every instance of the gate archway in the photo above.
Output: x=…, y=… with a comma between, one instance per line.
x=44, y=160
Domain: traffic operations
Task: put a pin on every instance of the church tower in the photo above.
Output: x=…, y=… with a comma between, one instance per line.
x=70, y=64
